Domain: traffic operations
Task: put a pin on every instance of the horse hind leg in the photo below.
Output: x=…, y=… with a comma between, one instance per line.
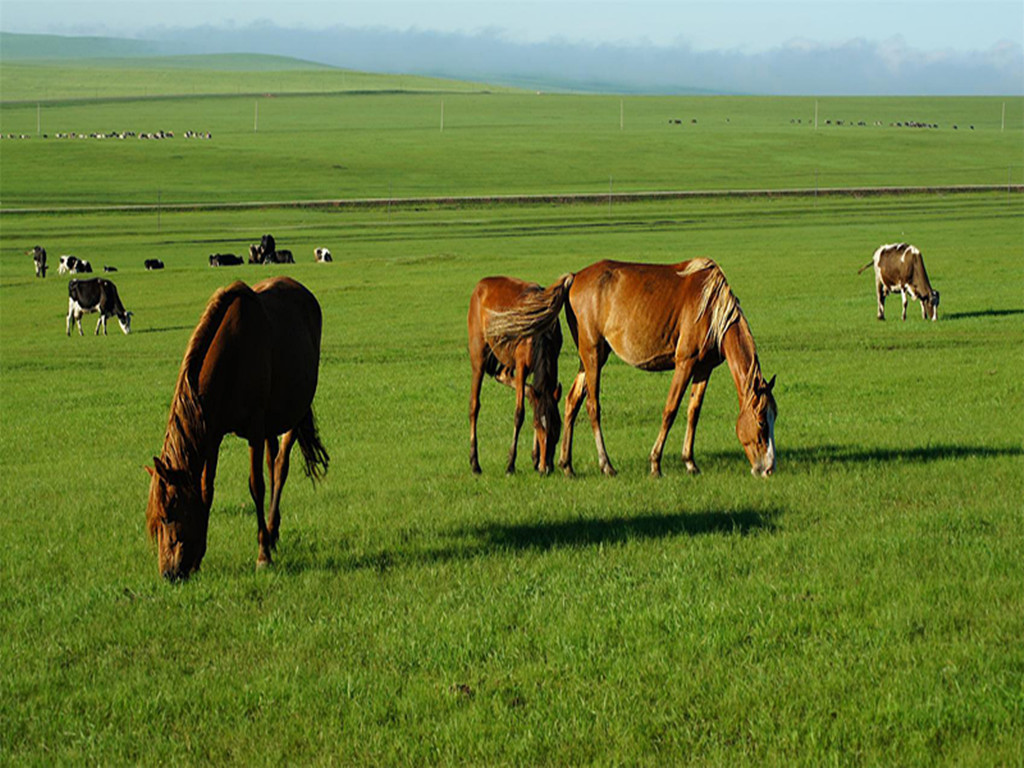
x=518, y=419
x=474, y=412
x=272, y=446
x=257, y=489
x=573, y=401
x=279, y=473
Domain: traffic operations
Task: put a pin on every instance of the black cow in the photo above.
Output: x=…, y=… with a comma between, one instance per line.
x=283, y=256
x=154, y=264
x=39, y=258
x=96, y=295
x=224, y=260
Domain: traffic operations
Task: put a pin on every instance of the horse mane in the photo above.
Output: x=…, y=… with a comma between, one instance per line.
x=716, y=298
x=535, y=315
x=186, y=425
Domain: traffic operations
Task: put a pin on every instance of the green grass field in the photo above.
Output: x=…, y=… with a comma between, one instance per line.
x=863, y=606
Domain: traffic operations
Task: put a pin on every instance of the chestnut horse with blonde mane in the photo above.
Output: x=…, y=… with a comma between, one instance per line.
x=682, y=318
x=515, y=333
x=250, y=369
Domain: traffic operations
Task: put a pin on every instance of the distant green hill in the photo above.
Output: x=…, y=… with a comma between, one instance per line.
x=49, y=68
x=15, y=47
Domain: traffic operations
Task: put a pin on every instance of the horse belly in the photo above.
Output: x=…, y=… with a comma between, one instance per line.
x=651, y=351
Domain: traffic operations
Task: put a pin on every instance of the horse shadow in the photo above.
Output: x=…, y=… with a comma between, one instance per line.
x=847, y=454
x=495, y=539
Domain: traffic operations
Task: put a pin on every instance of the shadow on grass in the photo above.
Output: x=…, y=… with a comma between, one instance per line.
x=164, y=330
x=982, y=313
x=490, y=539
x=848, y=454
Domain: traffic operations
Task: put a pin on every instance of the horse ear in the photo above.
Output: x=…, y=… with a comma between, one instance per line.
x=160, y=470
x=771, y=384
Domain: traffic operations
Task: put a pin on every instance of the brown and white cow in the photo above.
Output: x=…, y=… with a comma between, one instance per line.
x=899, y=267
x=96, y=295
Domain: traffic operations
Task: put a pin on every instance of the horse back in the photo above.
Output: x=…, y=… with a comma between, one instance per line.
x=495, y=294
x=292, y=338
x=647, y=313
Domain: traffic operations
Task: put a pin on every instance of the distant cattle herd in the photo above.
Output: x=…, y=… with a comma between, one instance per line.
x=155, y=135
x=100, y=295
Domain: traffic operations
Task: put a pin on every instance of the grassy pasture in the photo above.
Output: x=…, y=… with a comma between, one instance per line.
x=386, y=145
x=863, y=606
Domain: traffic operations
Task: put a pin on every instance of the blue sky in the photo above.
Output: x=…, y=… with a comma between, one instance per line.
x=745, y=25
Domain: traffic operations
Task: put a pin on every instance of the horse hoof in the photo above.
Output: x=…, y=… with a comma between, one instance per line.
x=691, y=469
x=263, y=562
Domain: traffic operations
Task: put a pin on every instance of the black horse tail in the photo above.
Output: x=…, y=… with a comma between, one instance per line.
x=313, y=451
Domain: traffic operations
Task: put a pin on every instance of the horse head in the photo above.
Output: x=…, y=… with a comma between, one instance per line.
x=756, y=424
x=177, y=519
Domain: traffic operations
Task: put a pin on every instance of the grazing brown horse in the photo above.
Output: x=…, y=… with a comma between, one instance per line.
x=680, y=317
x=250, y=369
x=514, y=332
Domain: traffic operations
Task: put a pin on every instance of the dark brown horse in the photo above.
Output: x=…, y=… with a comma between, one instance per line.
x=680, y=317
x=250, y=369
x=515, y=333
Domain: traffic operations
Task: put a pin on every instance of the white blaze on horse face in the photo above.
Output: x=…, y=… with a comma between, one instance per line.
x=769, y=455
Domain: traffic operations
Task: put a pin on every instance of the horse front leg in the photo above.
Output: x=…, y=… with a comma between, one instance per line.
x=700, y=385
x=271, y=445
x=680, y=378
x=257, y=489
x=573, y=401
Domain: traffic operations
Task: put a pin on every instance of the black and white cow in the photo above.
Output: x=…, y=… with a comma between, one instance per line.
x=39, y=259
x=96, y=295
x=154, y=264
x=322, y=255
x=73, y=265
x=225, y=260
x=900, y=267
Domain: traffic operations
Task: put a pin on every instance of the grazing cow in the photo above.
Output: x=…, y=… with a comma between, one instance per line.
x=96, y=295
x=322, y=255
x=284, y=256
x=154, y=264
x=899, y=267
x=225, y=260
x=107, y=268
x=39, y=258
x=73, y=265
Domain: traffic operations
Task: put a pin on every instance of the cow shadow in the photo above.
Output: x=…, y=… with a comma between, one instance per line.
x=495, y=539
x=981, y=313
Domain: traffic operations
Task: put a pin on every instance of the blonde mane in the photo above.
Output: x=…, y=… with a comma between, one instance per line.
x=717, y=297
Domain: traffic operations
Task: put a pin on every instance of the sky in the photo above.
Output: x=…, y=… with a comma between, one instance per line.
x=984, y=38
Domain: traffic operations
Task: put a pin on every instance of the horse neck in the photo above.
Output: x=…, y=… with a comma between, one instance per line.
x=741, y=355
x=187, y=440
